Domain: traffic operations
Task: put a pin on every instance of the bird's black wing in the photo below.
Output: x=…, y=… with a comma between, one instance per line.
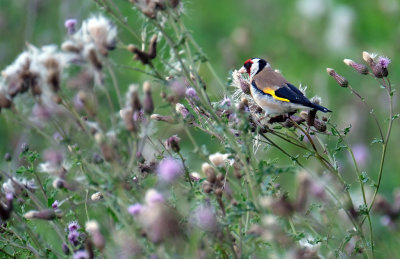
x=293, y=94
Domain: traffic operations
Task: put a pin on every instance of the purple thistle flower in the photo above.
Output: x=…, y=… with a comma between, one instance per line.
x=9, y=196
x=73, y=237
x=226, y=101
x=57, y=137
x=78, y=103
x=384, y=61
x=81, y=254
x=192, y=94
x=73, y=226
x=169, y=169
x=135, y=209
x=70, y=25
x=153, y=197
x=178, y=87
x=55, y=204
x=41, y=112
x=204, y=218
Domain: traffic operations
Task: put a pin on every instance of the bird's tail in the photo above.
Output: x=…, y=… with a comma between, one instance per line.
x=320, y=108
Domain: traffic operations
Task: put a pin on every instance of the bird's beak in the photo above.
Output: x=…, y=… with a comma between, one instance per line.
x=242, y=70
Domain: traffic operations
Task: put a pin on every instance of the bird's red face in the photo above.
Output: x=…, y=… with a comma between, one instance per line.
x=247, y=65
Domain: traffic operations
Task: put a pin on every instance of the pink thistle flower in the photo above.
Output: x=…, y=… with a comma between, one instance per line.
x=135, y=209
x=9, y=196
x=70, y=25
x=55, y=204
x=204, y=218
x=153, y=197
x=73, y=226
x=192, y=94
x=384, y=61
x=73, y=237
x=81, y=254
x=169, y=169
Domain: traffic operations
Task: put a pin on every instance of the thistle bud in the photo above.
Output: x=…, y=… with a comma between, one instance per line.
x=304, y=115
x=148, y=105
x=187, y=116
x=360, y=68
x=207, y=187
x=96, y=196
x=139, y=55
x=219, y=192
x=43, y=214
x=94, y=60
x=244, y=105
x=369, y=58
x=153, y=47
x=218, y=159
x=209, y=172
x=172, y=143
x=59, y=183
x=7, y=157
x=320, y=125
x=194, y=176
x=127, y=115
x=134, y=98
x=339, y=79
x=92, y=227
x=5, y=212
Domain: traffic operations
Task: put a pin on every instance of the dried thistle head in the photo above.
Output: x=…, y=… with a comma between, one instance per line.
x=338, y=78
x=240, y=82
x=360, y=68
x=151, y=7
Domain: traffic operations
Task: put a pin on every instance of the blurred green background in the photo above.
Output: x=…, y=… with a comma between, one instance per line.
x=299, y=37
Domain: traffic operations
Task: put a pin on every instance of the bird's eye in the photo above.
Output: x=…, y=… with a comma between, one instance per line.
x=248, y=63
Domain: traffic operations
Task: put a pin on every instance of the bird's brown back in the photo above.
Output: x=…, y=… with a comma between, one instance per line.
x=268, y=78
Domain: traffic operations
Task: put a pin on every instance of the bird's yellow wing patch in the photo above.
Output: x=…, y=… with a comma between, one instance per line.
x=272, y=93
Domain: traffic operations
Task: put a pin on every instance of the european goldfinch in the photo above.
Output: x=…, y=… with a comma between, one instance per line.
x=272, y=92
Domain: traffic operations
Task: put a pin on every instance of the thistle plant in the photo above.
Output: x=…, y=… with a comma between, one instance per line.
x=106, y=181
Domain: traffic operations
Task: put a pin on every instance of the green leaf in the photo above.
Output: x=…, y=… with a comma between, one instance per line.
x=50, y=201
x=347, y=130
x=21, y=169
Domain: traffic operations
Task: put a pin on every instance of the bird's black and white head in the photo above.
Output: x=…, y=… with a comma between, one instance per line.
x=253, y=66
